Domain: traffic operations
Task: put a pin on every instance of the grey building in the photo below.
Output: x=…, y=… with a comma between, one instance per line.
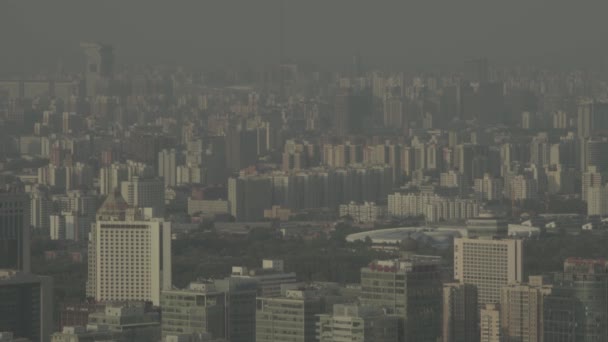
x=198, y=309
x=409, y=288
x=351, y=322
x=289, y=318
x=26, y=305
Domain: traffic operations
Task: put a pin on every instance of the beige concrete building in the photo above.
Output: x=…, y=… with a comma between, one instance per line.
x=521, y=310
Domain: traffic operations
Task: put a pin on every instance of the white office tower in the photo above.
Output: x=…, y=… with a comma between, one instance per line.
x=167, y=168
x=129, y=254
x=489, y=265
x=145, y=193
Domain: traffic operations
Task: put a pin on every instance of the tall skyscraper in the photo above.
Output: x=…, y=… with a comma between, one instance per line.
x=129, y=255
x=26, y=305
x=489, y=265
x=167, y=167
x=409, y=288
x=14, y=229
x=460, y=313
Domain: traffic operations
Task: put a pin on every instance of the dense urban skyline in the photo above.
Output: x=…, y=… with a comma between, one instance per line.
x=274, y=171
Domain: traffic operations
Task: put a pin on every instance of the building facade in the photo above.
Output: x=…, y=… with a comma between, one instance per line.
x=488, y=264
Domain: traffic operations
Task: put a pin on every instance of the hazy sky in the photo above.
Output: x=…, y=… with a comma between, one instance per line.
x=35, y=33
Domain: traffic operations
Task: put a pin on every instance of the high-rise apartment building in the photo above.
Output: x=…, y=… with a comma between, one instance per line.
x=351, y=322
x=145, y=193
x=451, y=179
x=41, y=207
x=591, y=117
x=14, y=229
x=167, y=167
x=523, y=187
x=489, y=265
x=460, y=313
x=488, y=188
x=489, y=323
x=129, y=256
x=410, y=289
x=521, y=310
x=241, y=146
x=591, y=178
x=596, y=154
x=26, y=305
x=111, y=176
x=597, y=200
x=394, y=113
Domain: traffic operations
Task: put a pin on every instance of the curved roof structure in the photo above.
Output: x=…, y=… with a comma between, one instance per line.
x=438, y=236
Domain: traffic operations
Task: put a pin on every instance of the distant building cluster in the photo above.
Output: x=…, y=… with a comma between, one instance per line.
x=433, y=207
x=112, y=167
